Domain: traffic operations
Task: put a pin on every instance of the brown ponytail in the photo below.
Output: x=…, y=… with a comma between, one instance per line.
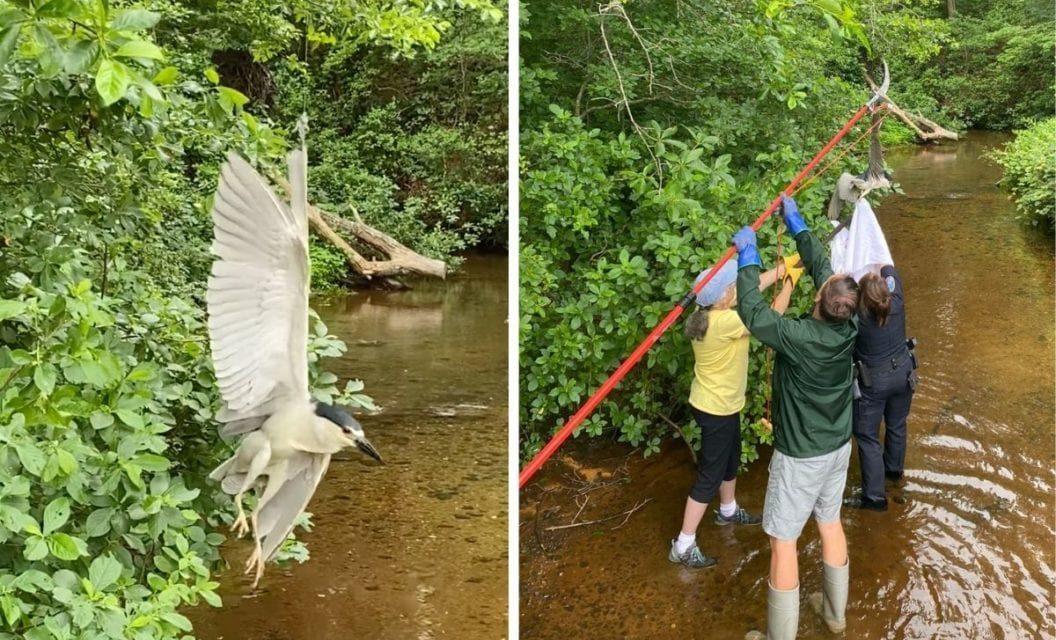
x=875, y=299
x=697, y=323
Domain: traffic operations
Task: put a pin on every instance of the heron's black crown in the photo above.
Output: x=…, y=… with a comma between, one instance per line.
x=338, y=416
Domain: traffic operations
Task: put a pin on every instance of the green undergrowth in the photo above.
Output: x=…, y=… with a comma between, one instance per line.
x=1029, y=164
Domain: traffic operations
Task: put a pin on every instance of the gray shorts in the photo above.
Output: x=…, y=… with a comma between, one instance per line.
x=800, y=486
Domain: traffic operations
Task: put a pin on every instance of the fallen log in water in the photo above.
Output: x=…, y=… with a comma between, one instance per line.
x=401, y=260
x=925, y=129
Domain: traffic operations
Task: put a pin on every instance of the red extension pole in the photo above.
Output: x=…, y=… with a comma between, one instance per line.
x=559, y=438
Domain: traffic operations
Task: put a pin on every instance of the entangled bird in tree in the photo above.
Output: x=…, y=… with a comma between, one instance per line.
x=258, y=330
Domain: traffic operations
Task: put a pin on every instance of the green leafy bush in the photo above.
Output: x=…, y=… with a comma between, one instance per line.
x=105, y=512
x=415, y=147
x=1029, y=162
x=102, y=522
x=329, y=267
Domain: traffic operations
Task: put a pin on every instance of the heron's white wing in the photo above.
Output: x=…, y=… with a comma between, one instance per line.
x=276, y=518
x=258, y=291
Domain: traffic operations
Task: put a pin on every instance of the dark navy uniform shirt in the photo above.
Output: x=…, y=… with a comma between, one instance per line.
x=876, y=344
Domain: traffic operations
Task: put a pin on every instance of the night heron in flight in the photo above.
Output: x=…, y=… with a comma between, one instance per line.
x=258, y=330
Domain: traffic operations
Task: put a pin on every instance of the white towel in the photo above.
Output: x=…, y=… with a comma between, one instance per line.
x=861, y=247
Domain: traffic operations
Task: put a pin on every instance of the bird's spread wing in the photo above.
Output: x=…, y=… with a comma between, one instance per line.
x=276, y=518
x=258, y=292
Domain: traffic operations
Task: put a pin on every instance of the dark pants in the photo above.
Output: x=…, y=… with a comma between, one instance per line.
x=720, y=453
x=888, y=399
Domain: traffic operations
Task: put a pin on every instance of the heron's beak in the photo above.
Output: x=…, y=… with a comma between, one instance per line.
x=364, y=445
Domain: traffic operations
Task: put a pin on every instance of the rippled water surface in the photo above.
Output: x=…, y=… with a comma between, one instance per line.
x=415, y=549
x=966, y=549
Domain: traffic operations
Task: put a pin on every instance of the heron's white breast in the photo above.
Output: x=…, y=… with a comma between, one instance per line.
x=296, y=428
x=288, y=428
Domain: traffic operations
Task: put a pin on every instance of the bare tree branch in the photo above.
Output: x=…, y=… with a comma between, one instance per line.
x=604, y=10
x=626, y=516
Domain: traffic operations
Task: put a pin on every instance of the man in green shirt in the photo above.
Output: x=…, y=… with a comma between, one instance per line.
x=812, y=424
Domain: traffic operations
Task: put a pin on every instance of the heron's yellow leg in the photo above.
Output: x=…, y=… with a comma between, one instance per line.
x=239, y=527
x=276, y=478
x=254, y=558
x=255, y=564
x=260, y=572
x=257, y=467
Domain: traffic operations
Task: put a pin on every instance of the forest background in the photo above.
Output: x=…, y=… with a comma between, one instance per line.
x=114, y=119
x=652, y=130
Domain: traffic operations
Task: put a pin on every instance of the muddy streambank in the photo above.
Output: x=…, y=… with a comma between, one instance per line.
x=966, y=548
x=416, y=548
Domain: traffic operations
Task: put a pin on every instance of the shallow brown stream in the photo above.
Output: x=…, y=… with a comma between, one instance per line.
x=967, y=547
x=416, y=548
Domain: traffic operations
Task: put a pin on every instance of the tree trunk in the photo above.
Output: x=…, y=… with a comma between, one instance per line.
x=951, y=8
x=401, y=260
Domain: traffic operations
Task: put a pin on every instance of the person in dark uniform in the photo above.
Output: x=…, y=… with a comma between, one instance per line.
x=887, y=379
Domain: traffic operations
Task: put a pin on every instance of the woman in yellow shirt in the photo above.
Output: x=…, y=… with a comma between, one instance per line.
x=716, y=397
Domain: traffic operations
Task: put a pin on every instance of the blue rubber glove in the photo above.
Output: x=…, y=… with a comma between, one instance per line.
x=793, y=219
x=747, y=249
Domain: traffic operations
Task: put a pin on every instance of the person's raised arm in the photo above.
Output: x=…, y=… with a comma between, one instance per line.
x=892, y=279
x=788, y=276
x=767, y=279
x=810, y=249
x=784, y=296
x=760, y=320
